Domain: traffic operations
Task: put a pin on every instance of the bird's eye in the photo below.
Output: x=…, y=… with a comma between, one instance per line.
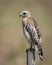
x=24, y=13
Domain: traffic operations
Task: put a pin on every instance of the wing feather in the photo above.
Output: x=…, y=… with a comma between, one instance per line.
x=33, y=29
x=32, y=32
x=37, y=28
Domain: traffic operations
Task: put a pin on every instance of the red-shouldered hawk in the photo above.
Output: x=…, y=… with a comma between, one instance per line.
x=32, y=32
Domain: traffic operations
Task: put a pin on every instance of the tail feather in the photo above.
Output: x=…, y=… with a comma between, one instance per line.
x=38, y=48
x=40, y=54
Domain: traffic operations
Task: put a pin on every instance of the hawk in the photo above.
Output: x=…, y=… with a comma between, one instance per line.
x=32, y=32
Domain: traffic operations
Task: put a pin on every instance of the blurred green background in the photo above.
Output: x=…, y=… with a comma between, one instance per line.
x=12, y=42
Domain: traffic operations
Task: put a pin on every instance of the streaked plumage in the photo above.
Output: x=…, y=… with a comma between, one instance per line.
x=32, y=32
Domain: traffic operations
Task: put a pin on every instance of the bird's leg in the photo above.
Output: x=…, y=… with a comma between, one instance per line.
x=31, y=46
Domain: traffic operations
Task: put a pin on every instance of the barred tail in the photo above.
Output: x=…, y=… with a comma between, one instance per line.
x=40, y=54
x=38, y=48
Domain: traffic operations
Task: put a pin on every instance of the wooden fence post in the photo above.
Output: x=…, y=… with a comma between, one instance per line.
x=30, y=54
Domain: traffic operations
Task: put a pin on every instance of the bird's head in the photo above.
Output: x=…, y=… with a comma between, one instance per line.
x=25, y=14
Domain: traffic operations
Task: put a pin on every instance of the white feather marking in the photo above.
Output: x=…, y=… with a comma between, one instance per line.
x=41, y=57
x=36, y=36
x=40, y=40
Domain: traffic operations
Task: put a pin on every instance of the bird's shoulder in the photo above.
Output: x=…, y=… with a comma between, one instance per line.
x=29, y=20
